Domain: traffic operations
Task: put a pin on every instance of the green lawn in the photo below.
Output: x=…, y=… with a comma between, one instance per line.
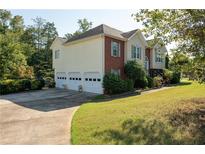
x=169, y=116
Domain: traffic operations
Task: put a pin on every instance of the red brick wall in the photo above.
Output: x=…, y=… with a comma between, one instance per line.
x=114, y=62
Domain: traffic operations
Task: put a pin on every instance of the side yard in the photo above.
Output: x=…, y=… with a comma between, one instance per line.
x=171, y=116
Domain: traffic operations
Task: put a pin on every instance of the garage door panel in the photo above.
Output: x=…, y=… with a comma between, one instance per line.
x=74, y=80
x=61, y=79
x=92, y=82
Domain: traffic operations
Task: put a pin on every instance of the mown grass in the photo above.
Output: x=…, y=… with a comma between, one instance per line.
x=169, y=116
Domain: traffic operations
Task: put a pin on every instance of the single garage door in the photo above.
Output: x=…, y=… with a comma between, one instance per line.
x=61, y=79
x=74, y=80
x=92, y=82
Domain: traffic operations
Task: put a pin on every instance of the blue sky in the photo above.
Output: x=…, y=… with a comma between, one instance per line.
x=66, y=20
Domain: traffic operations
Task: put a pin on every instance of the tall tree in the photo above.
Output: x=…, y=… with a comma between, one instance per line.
x=84, y=25
x=12, y=49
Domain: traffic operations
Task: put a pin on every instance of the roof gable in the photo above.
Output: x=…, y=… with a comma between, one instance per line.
x=103, y=29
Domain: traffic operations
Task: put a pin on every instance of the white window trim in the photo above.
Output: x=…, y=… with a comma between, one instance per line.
x=112, y=50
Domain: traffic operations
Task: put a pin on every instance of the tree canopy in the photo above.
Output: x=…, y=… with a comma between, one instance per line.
x=84, y=25
x=184, y=27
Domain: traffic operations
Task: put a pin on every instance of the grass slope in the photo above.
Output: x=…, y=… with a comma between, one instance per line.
x=169, y=116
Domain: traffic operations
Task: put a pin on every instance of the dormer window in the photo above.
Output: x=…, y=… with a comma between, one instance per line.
x=57, y=54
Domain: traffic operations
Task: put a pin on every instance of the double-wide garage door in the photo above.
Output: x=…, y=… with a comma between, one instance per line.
x=89, y=81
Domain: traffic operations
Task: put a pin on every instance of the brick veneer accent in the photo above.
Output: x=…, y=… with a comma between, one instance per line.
x=114, y=62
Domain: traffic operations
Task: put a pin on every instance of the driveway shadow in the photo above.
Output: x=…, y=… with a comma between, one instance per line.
x=51, y=104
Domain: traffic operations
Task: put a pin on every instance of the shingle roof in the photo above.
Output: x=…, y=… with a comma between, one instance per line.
x=129, y=34
x=151, y=43
x=103, y=29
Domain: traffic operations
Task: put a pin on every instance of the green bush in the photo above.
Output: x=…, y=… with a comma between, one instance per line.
x=136, y=72
x=49, y=82
x=12, y=86
x=150, y=82
x=141, y=83
x=175, y=78
x=25, y=84
x=167, y=76
x=36, y=85
x=157, y=81
x=7, y=86
x=114, y=85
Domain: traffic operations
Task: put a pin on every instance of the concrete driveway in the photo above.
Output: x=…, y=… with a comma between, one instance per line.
x=40, y=117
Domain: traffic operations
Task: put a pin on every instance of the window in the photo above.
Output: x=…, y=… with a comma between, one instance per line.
x=158, y=56
x=115, y=71
x=57, y=54
x=90, y=79
x=76, y=78
x=79, y=78
x=133, y=52
x=139, y=52
x=115, y=49
x=94, y=79
x=70, y=78
x=73, y=78
x=86, y=79
x=99, y=80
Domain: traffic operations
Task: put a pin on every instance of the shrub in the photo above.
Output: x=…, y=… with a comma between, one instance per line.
x=36, y=85
x=175, y=78
x=49, y=82
x=12, y=86
x=136, y=72
x=7, y=86
x=150, y=82
x=157, y=81
x=25, y=84
x=167, y=76
x=141, y=83
x=114, y=85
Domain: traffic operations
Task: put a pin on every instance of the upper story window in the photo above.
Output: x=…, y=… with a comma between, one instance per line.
x=57, y=54
x=139, y=52
x=133, y=52
x=136, y=52
x=115, y=49
x=158, y=56
x=115, y=71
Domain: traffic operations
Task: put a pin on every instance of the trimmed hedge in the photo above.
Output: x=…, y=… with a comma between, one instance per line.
x=114, y=85
x=13, y=86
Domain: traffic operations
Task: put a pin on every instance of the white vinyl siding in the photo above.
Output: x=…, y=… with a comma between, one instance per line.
x=115, y=49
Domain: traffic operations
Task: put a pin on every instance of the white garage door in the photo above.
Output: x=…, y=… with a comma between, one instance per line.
x=74, y=80
x=92, y=82
x=61, y=79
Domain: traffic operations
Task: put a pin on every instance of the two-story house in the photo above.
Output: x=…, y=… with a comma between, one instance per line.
x=82, y=61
